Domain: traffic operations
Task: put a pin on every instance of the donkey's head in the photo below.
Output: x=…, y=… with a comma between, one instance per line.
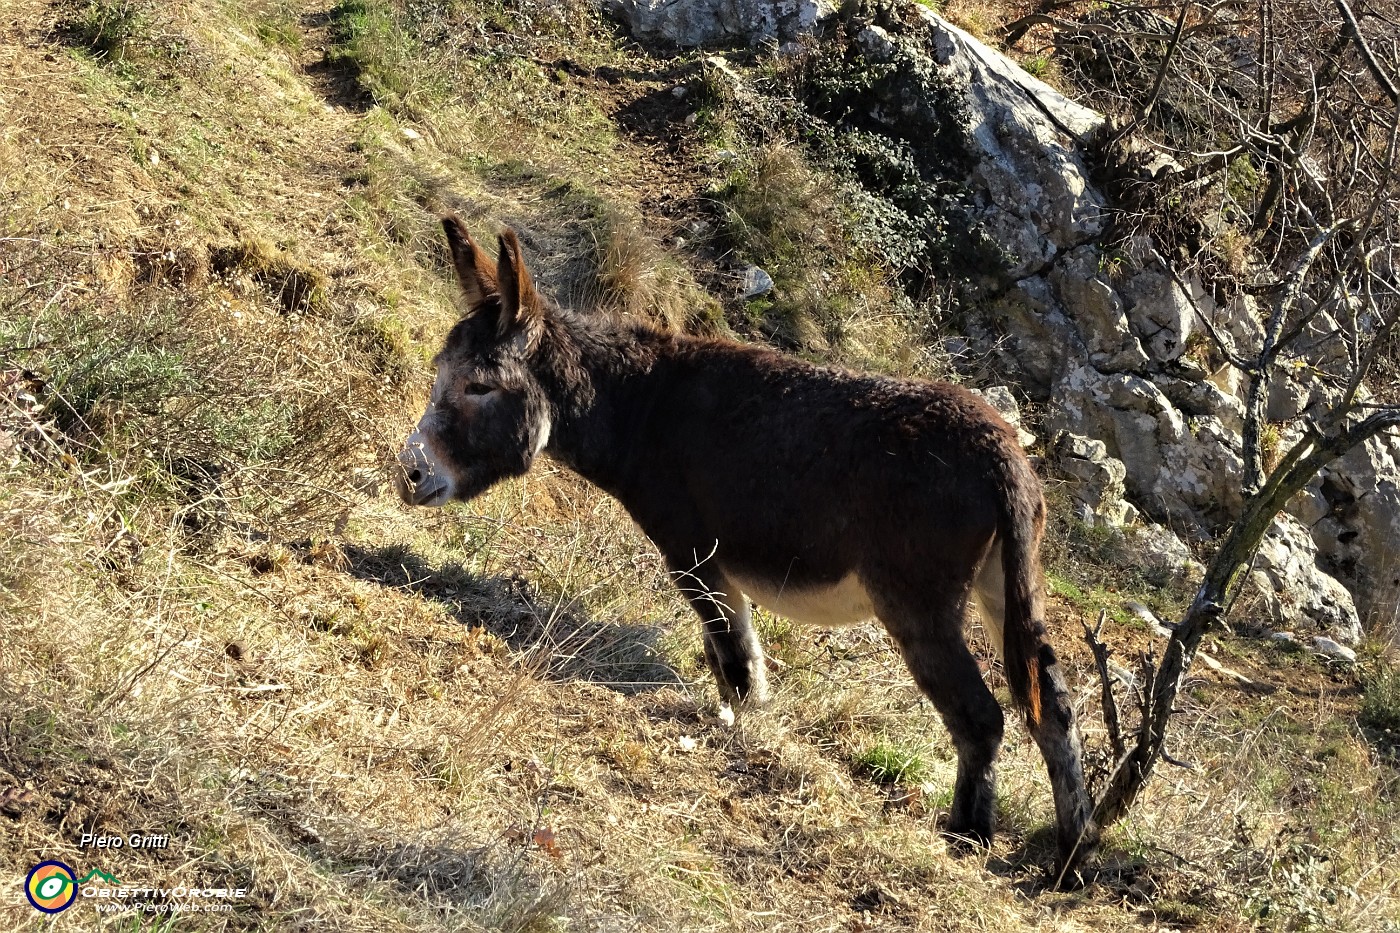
x=489, y=416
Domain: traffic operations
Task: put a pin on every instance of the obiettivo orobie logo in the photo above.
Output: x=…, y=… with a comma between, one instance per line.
x=51, y=887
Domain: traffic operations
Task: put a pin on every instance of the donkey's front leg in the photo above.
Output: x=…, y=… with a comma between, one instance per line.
x=731, y=644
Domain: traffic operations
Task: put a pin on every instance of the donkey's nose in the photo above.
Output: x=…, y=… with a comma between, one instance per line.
x=419, y=481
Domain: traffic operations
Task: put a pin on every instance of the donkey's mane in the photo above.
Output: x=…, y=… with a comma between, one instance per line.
x=579, y=346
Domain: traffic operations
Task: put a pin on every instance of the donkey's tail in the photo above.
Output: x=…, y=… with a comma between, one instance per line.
x=1022, y=522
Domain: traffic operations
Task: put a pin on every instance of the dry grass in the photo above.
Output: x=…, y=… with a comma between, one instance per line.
x=495, y=716
x=834, y=294
x=637, y=277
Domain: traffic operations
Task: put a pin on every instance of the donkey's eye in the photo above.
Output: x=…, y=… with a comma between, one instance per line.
x=479, y=388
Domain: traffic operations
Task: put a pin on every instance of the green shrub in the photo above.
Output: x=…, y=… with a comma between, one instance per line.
x=126, y=34
x=111, y=28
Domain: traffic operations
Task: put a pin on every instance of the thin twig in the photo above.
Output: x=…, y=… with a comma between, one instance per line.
x=1378, y=72
x=1110, y=704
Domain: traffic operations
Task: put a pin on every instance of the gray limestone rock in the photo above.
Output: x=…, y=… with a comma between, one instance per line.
x=692, y=23
x=1294, y=592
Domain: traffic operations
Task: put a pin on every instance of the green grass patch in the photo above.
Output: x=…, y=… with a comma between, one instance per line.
x=376, y=40
x=1089, y=600
x=1380, y=710
x=889, y=763
x=278, y=25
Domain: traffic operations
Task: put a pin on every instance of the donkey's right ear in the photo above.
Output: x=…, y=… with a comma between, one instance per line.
x=475, y=270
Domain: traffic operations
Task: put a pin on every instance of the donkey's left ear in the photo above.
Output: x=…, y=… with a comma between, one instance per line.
x=475, y=271
x=522, y=314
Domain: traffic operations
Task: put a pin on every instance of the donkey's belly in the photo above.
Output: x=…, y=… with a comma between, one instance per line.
x=842, y=603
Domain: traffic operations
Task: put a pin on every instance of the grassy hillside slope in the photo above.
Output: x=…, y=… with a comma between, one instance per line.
x=220, y=281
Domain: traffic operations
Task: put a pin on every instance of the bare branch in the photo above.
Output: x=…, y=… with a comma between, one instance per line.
x=1189, y=766
x=1383, y=78
x=1146, y=110
x=1110, y=704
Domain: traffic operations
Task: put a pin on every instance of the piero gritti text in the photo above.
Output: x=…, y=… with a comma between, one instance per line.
x=133, y=841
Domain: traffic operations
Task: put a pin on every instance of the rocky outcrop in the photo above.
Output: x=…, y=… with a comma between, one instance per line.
x=1181, y=467
x=1095, y=483
x=1115, y=345
x=692, y=23
x=1035, y=195
x=1295, y=593
x=1094, y=480
x=1004, y=401
x=1353, y=514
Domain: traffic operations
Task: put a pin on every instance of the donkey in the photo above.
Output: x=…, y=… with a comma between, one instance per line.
x=822, y=495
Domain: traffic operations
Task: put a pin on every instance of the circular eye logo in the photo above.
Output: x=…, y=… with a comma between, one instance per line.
x=51, y=887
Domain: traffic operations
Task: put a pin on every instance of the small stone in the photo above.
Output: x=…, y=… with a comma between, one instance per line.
x=1324, y=645
x=753, y=282
x=410, y=134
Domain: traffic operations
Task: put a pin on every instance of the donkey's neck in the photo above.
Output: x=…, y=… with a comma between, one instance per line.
x=606, y=388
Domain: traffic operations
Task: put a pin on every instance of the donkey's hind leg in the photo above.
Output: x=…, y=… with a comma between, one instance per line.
x=731, y=644
x=947, y=673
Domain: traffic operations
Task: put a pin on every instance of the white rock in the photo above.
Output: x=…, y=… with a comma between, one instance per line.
x=1095, y=480
x=1081, y=286
x=1147, y=615
x=754, y=282
x=1295, y=592
x=692, y=23
x=1001, y=398
x=1332, y=649
x=1032, y=181
x=1161, y=551
x=1161, y=312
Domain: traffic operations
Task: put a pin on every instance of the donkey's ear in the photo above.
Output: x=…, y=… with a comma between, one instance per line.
x=475, y=270
x=521, y=311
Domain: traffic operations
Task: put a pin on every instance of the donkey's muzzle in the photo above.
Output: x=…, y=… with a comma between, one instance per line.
x=420, y=481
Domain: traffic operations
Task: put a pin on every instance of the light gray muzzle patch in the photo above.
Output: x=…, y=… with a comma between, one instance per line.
x=421, y=480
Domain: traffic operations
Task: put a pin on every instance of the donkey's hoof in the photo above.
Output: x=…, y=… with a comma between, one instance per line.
x=968, y=838
x=1069, y=878
x=1070, y=872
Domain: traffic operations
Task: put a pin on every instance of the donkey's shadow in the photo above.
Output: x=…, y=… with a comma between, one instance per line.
x=555, y=637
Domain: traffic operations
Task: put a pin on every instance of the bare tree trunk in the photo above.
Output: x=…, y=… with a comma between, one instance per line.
x=1224, y=578
x=1335, y=232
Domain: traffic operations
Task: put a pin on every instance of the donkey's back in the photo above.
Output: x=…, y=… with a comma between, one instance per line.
x=794, y=477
